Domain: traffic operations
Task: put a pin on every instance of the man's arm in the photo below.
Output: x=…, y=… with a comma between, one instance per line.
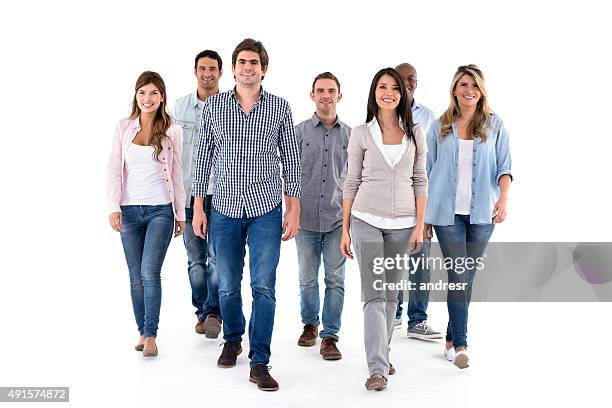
x=202, y=163
x=290, y=160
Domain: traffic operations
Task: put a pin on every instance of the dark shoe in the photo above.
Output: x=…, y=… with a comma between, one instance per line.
x=139, y=347
x=260, y=375
x=212, y=327
x=231, y=351
x=199, y=327
x=391, y=369
x=309, y=336
x=329, y=351
x=376, y=383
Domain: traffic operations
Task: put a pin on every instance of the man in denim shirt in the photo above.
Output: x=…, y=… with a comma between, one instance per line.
x=323, y=140
x=417, y=299
x=187, y=112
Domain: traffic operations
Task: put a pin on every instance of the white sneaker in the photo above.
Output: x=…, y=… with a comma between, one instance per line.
x=397, y=323
x=449, y=353
x=461, y=359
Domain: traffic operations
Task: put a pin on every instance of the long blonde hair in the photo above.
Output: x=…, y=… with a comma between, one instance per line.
x=481, y=118
x=162, y=120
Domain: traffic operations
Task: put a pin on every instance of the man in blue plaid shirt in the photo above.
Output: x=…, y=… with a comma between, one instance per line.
x=247, y=133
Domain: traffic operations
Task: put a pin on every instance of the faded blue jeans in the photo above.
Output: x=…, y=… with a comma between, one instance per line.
x=310, y=246
x=202, y=266
x=146, y=231
x=418, y=299
x=263, y=236
x=461, y=240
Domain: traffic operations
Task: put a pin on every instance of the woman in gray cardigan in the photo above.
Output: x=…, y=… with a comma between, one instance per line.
x=385, y=195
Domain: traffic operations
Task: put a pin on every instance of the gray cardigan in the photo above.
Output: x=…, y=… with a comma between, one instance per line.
x=376, y=187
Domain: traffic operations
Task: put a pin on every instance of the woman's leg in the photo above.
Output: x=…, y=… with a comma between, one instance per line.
x=368, y=243
x=159, y=229
x=132, y=239
x=452, y=239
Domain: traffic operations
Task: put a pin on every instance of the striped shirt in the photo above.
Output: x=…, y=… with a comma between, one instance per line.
x=247, y=151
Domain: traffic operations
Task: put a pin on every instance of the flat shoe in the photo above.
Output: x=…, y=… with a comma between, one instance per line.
x=150, y=353
x=139, y=347
x=461, y=359
x=449, y=353
x=376, y=382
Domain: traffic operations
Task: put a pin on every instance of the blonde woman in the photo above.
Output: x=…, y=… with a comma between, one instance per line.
x=383, y=209
x=469, y=169
x=146, y=198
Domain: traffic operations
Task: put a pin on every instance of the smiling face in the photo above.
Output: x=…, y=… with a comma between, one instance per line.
x=149, y=98
x=467, y=92
x=409, y=76
x=207, y=72
x=388, y=93
x=325, y=95
x=248, y=70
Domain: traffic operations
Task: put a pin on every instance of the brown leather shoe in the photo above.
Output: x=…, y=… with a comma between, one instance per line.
x=199, y=327
x=260, y=375
x=231, y=351
x=309, y=336
x=212, y=327
x=329, y=351
x=376, y=383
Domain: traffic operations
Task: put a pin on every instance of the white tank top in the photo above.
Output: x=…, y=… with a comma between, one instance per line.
x=463, y=199
x=144, y=179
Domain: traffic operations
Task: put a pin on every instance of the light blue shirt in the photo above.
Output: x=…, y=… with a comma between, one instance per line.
x=490, y=161
x=422, y=115
x=187, y=112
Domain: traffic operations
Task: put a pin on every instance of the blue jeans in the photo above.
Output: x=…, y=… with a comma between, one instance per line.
x=417, y=299
x=263, y=236
x=146, y=231
x=310, y=246
x=202, y=267
x=461, y=240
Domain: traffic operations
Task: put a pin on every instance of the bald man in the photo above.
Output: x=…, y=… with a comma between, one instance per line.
x=417, y=299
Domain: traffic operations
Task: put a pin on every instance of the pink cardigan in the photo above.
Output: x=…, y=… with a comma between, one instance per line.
x=170, y=159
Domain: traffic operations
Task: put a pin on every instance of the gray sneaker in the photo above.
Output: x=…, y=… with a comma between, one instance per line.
x=397, y=323
x=423, y=331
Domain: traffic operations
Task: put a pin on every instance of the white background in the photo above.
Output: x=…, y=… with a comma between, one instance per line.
x=68, y=71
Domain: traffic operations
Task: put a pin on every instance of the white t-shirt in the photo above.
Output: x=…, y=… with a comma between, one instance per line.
x=144, y=179
x=463, y=199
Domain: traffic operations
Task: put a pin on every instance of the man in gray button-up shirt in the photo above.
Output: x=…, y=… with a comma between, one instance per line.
x=323, y=141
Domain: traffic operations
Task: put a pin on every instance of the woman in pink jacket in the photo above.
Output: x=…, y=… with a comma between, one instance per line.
x=146, y=198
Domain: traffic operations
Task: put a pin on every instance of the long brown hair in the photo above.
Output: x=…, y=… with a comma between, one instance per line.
x=162, y=120
x=403, y=110
x=481, y=118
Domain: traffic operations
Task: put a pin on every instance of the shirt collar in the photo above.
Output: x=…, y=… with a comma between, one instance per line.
x=135, y=123
x=262, y=94
x=314, y=120
x=194, y=101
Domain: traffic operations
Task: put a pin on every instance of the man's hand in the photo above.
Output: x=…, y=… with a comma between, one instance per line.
x=291, y=223
x=199, y=218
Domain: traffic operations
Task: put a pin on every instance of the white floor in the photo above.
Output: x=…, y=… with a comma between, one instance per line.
x=547, y=354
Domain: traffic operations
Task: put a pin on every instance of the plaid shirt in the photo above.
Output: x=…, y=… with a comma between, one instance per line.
x=245, y=152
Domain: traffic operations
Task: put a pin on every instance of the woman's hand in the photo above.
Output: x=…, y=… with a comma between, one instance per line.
x=345, y=245
x=499, y=211
x=179, y=228
x=114, y=219
x=416, y=239
x=427, y=232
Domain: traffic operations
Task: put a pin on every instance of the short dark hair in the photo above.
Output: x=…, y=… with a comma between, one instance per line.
x=325, y=75
x=208, y=54
x=249, y=44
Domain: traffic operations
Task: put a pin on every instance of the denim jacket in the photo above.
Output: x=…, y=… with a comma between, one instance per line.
x=490, y=161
